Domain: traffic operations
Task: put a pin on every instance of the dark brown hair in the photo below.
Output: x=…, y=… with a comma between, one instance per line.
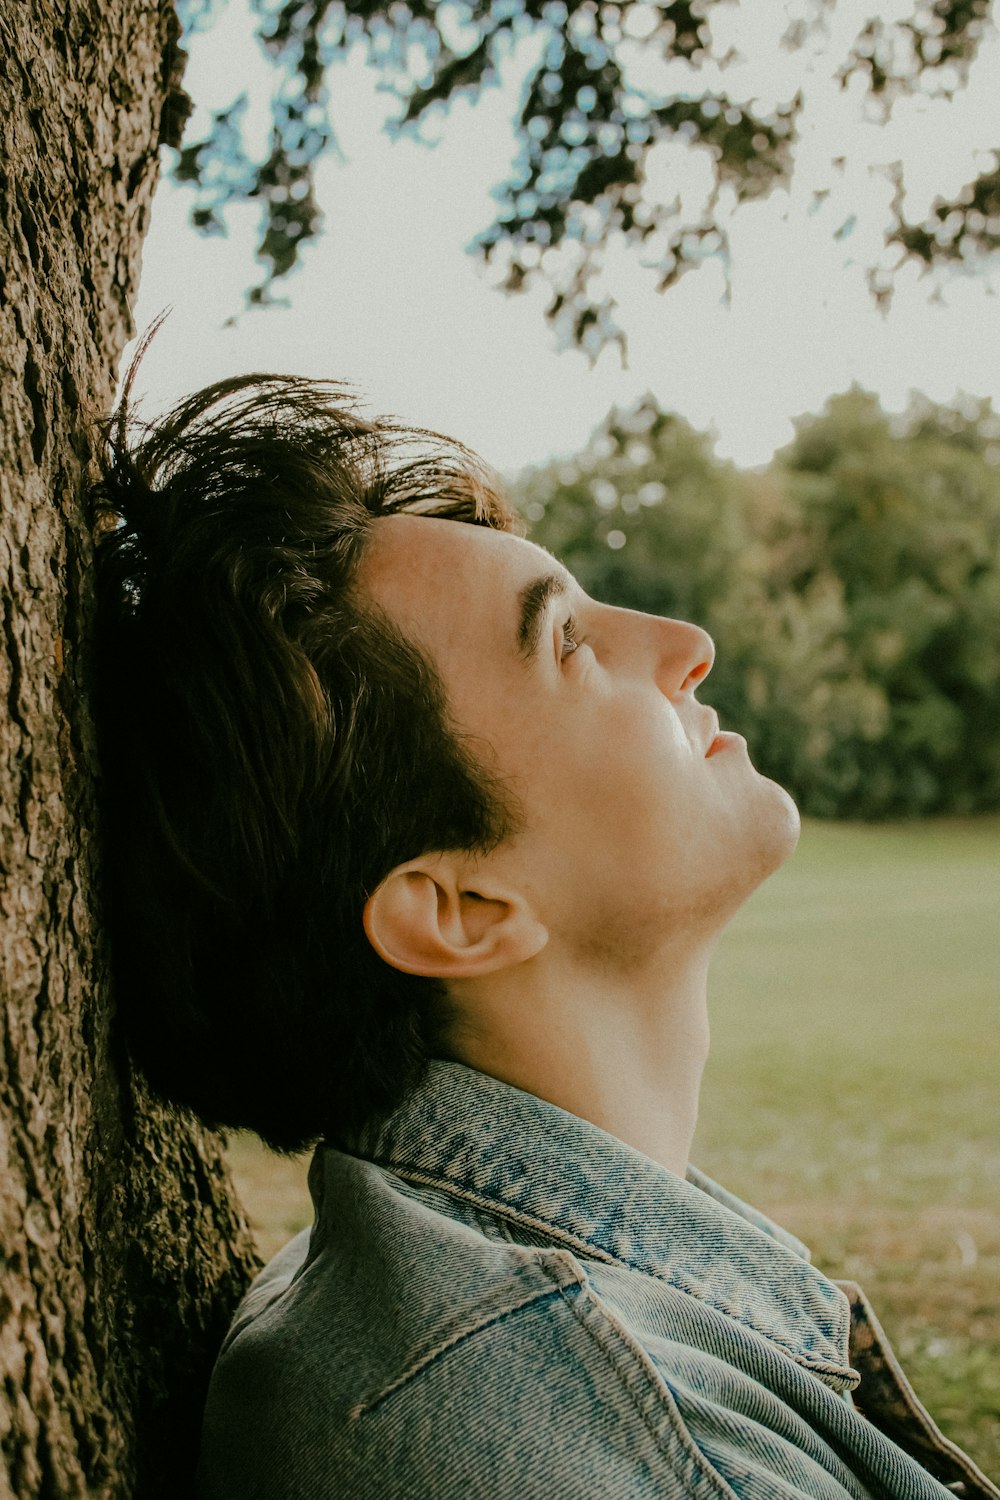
x=271, y=748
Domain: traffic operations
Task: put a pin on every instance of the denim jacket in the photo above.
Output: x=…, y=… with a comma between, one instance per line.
x=501, y=1300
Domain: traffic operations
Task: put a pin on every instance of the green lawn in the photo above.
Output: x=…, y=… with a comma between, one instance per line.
x=854, y=1087
x=853, y=1091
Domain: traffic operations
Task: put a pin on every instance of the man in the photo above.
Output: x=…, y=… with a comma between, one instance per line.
x=419, y=851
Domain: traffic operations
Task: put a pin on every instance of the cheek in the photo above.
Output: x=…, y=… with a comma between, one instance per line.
x=606, y=784
x=617, y=803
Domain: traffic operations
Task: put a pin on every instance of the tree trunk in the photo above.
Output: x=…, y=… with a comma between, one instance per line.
x=121, y=1249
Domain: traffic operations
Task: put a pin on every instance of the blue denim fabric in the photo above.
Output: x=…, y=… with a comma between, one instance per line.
x=501, y=1300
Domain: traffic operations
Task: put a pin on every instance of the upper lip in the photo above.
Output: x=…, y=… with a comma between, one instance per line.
x=713, y=730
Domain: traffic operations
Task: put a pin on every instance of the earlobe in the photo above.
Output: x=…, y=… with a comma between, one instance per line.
x=428, y=918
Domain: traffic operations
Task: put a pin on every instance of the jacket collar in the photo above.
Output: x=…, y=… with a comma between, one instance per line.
x=533, y=1163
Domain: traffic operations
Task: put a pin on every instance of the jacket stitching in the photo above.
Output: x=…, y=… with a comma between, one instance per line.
x=368, y=1404
x=580, y=1298
x=580, y=1243
x=573, y=1293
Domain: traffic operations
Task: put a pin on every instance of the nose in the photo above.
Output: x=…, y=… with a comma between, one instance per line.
x=686, y=654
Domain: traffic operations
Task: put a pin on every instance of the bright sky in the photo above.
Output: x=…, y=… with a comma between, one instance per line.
x=390, y=300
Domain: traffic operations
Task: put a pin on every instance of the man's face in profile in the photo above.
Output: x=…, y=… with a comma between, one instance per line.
x=637, y=819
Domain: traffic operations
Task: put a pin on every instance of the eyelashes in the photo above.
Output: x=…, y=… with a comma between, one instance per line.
x=571, y=638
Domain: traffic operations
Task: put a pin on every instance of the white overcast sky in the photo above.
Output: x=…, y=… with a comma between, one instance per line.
x=390, y=300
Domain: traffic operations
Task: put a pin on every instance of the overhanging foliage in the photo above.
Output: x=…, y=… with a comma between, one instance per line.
x=584, y=129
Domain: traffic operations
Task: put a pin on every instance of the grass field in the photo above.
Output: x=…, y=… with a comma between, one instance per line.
x=853, y=1092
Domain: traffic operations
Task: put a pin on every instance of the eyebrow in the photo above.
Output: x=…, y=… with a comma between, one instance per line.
x=532, y=601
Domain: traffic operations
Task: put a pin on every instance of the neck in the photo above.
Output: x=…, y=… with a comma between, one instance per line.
x=625, y=1052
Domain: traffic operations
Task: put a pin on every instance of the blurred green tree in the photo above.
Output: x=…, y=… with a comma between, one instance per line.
x=853, y=589
x=645, y=516
x=906, y=517
x=591, y=112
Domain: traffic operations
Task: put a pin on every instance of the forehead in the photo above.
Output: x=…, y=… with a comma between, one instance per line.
x=435, y=578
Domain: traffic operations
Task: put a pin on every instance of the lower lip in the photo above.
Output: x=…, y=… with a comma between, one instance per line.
x=725, y=741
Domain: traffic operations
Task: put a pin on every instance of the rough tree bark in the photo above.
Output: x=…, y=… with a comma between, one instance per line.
x=121, y=1249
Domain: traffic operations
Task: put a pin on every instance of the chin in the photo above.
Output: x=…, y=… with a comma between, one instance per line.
x=766, y=838
x=778, y=826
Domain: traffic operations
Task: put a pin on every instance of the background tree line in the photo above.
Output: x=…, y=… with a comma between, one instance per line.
x=853, y=589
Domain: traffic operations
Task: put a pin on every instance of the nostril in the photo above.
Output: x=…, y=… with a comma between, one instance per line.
x=696, y=675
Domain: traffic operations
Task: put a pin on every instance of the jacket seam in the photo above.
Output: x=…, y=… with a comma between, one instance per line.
x=575, y=1292
x=368, y=1404
x=702, y=1468
x=580, y=1244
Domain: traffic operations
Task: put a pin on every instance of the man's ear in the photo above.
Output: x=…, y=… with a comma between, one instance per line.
x=437, y=917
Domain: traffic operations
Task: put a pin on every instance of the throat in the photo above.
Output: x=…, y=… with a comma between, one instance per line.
x=629, y=1060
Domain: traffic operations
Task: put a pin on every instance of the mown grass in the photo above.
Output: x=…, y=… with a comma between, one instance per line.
x=853, y=1092
x=854, y=1087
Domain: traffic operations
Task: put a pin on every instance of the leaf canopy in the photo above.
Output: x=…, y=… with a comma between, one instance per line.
x=587, y=123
